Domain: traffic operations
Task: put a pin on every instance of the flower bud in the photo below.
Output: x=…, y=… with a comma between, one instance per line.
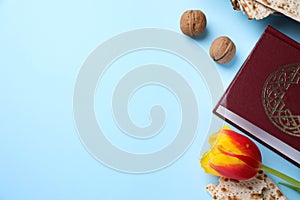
x=231, y=155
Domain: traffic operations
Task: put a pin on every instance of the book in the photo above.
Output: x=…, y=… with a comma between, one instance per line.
x=263, y=100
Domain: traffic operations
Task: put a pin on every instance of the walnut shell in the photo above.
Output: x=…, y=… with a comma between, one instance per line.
x=222, y=50
x=193, y=22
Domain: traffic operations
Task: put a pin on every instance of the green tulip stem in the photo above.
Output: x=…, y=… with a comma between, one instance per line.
x=281, y=175
x=290, y=186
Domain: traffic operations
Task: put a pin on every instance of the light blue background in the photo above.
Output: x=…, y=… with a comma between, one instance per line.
x=42, y=46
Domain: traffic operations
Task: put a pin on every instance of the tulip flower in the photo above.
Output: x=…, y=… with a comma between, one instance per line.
x=235, y=156
x=232, y=155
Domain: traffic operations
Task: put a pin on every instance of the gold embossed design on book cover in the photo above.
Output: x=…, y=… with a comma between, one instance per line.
x=274, y=94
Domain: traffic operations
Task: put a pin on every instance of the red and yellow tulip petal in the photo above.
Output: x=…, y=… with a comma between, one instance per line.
x=243, y=145
x=205, y=164
x=244, y=158
x=213, y=138
x=232, y=167
x=231, y=155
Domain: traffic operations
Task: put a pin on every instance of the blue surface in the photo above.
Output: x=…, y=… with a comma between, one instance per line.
x=42, y=47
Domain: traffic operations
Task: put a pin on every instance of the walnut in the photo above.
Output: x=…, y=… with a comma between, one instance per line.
x=193, y=22
x=222, y=50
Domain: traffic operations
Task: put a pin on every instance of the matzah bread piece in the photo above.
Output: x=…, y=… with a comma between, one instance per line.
x=238, y=190
x=272, y=191
x=235, y=4
x=254, y=9
x=260, y=187
x=290, y=8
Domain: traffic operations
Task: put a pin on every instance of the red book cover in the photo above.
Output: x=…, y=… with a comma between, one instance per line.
x=263, y=100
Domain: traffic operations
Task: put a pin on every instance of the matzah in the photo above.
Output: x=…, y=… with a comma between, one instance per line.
x=254, y=9
x=272, y=191
x=260, y=187
x=259, y=9
x=290, y=8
